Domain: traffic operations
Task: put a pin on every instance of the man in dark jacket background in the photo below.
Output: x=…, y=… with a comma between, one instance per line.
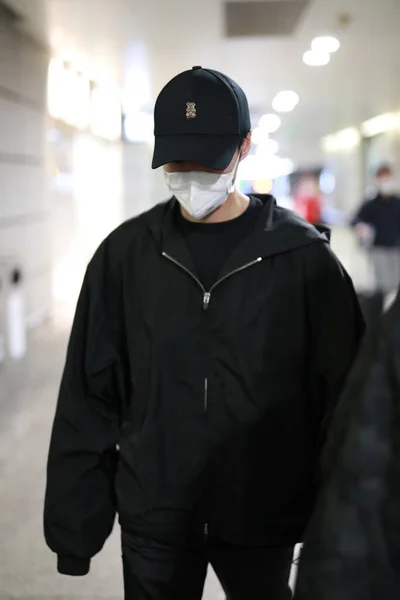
x=352, y=549
x=210, y=344
x=378, y=222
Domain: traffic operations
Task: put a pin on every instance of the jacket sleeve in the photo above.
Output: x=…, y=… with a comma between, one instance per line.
x=336, y=328
x=365, y=214
x=80, y=504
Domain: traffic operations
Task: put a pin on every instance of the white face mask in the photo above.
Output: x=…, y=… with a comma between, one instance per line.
x=387, y=186
x=201, y=193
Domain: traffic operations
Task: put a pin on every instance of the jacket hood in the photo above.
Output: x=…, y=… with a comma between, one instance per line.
x=286, y=229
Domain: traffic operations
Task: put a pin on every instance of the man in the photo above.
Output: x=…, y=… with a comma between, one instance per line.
x=211, y=340
x=378, y=224
x=352, y=549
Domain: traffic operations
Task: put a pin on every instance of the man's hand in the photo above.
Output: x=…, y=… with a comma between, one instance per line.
x=364, y=233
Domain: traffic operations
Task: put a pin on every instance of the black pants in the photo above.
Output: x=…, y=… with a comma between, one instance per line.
x=156, y=572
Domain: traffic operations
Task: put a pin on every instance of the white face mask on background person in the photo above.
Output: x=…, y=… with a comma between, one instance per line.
x=387, y=186
x=201, y=193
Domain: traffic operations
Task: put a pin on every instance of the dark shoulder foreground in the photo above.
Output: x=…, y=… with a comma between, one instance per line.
x=352, y=549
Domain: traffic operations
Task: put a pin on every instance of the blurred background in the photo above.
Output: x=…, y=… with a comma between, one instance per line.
x=78, y=82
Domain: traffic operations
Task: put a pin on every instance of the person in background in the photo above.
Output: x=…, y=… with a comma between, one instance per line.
x=211, y=341
x=377, y=225
x=352, y=546
x=308, y=201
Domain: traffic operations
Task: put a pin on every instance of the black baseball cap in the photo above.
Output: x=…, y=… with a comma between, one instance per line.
x=200, y=116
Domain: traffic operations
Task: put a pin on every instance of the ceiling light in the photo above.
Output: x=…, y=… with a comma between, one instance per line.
x=380, y=124
x=68, y=55
x=327, y=182
x=138, y=127
x=347, y=139
x=270, y=123
x=259, y=135
x=287, y=167
x=68, y=95
x=316, y=59
x=285, y=101
x=106, y=112
x=280, y=167
x=263, y=186
x=252, y=168
x=267, y=148
x=257, y=168
x=327, y=44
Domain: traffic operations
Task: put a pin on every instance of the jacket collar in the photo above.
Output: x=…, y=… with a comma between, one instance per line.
x=278, y=230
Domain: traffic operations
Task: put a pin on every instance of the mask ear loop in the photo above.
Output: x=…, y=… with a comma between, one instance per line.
x=235, y=170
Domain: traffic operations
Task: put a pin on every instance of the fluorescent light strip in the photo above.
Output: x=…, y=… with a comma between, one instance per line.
x=347, y=139
x=381, y=124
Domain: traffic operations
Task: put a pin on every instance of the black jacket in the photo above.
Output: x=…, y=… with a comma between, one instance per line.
x=383, y=215
x=217, y=399
x=352, y=549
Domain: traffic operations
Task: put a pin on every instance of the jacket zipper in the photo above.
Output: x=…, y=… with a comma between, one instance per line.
x=206, y=303
x=206, y=411
x=207, y=295
x=227, y=276
x=206, y=531
x=181, y=266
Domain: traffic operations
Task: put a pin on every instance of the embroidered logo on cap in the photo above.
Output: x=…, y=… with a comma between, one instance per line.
x=191, y=112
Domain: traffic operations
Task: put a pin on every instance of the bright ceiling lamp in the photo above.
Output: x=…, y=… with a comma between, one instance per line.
x=285, y=101
x=260, y=168
x=263, y=186
x=270, y=123
x=258, y=135
x=267, y=148
x=316, y=59
x=286, y=166
x=327, y=182
x=347, y=139
x=380, y=124
x=252, y=168
x=68, y=95
x=138, y=127
x=325, y=44
x=280, y=167
x=106, y=112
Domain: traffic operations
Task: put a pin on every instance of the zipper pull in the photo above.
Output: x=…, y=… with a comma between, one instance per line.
x=206, y=300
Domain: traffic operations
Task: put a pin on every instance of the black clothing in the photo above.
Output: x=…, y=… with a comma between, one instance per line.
x=217, y=401
x=352, y=549
x=383, y=215
x=211, y=244
x=372, y=306
x=179, y=573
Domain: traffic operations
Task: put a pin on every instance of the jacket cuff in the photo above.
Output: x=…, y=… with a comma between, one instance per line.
x=75, y=567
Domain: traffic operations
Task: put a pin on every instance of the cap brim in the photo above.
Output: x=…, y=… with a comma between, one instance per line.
x=213, y=152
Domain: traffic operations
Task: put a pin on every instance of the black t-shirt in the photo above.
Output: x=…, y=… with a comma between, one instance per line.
x=211, y=244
